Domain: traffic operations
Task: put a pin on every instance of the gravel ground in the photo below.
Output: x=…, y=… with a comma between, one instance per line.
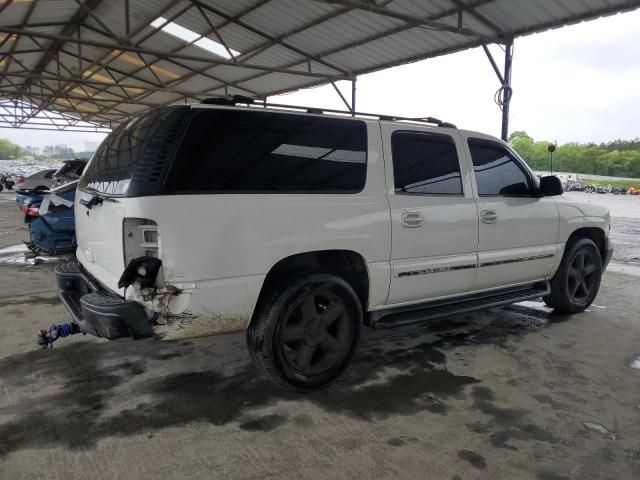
x=625, y=222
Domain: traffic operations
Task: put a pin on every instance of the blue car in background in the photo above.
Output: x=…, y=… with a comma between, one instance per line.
x=50, y=216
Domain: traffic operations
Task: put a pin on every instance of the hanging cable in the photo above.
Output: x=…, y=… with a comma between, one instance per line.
x=505, y=92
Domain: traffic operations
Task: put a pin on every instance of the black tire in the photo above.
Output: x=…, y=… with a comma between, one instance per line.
x=577, y=280
x=306, y=331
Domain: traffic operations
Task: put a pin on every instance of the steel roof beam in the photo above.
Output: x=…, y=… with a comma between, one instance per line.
x=463, y=6
x=92, y=83
x=5, y=5
x=17, y=39
x=83, y=99
x=33, y=112
x=415, y=22
x=357, y=43
x=59, y=40
x=166, y=56
x=193, y=72
x=238, y=21
x=144, y=25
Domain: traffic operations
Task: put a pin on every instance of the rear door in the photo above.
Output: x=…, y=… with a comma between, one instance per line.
x=518, y=231
x=433, y=213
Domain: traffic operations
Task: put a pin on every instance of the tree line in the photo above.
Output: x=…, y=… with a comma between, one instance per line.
x=618, y=158
x=12, y=151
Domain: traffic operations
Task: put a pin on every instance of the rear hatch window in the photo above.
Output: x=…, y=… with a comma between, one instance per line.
x=138, y=149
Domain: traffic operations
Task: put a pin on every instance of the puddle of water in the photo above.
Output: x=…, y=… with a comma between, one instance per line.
x=536, y=305
x=13, y=249
x=635, y=363
x=16, y=255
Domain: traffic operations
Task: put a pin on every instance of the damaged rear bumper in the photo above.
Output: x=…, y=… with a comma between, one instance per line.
x=99, y=311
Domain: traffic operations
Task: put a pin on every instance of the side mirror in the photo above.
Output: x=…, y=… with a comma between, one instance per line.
x=551, y=186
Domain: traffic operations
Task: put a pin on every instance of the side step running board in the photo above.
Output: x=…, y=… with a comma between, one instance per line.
x=437, y=310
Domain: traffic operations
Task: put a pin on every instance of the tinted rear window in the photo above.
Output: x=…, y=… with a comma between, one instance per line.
x=114, y=162
x=231, y=151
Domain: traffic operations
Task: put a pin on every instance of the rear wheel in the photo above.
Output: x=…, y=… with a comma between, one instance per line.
x=306, y=333
x=577, y=280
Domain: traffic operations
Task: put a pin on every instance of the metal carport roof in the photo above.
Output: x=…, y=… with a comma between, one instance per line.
x=100, y=61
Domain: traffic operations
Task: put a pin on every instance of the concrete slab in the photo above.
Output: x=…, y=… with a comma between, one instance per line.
x=513, y=393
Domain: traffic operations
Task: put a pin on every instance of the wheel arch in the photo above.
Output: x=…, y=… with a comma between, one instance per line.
x=347, y=264
x=596, y=234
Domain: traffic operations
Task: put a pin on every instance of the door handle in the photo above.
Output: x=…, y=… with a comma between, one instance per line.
x=412, y=219
x=488, y=216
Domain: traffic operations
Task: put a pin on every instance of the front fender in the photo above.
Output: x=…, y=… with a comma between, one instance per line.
x=577, y=215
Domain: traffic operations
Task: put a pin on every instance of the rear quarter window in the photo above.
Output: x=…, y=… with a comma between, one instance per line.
x=130, y=146
x=235, y=151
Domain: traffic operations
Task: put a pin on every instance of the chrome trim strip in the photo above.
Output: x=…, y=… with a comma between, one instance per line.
x=517, y=260
x=428, y=271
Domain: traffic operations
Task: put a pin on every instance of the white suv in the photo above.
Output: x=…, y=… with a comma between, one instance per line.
x=300, y=227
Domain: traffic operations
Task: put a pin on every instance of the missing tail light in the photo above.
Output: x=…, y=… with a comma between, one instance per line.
x=141, y=239
x=30, y=211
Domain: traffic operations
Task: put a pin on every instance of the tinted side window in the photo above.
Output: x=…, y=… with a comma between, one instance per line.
x=496, y=170
x=237, y=151
x=425, y=164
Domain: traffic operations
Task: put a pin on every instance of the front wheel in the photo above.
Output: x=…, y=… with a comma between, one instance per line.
x=306, y=333
x=577, y=280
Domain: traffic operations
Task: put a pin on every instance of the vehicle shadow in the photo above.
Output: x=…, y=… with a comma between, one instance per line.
x=85, y=391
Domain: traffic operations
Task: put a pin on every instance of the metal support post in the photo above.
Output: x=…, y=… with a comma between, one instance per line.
x=353, y=96
x=504, y=94
x=506, y=88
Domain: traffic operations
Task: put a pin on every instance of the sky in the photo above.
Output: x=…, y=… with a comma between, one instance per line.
x=575, y=84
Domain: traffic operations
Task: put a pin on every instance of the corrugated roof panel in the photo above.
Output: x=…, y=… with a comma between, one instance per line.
x=278, y=16
x=197, y=84
x=239, y=38
x=277, y=55
x=406, y=44
x=342, y=30
x=330, y=37
x=49, y=11
x=235, y=7
x=314, y=67
x=230, y=73
x=272, y=82
x=422, y=9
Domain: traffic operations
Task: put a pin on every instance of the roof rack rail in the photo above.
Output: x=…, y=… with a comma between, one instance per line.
x=236, y=99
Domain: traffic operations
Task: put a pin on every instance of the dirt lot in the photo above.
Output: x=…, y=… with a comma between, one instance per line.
x=513, y=393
